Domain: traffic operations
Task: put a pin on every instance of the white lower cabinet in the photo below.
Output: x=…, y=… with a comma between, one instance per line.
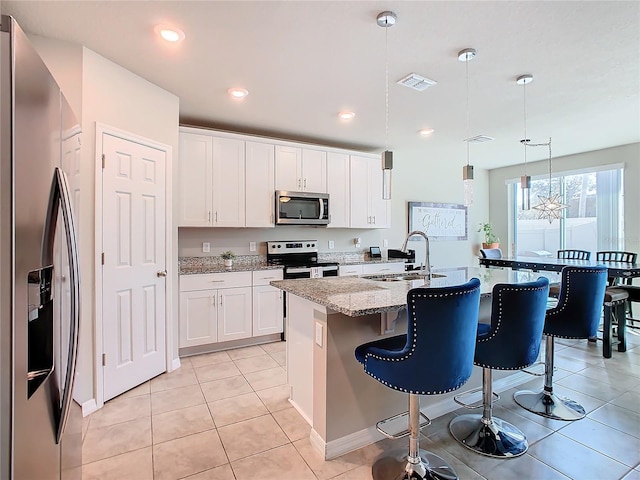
x=267, y=303
x=220, y=307
x=198, y=318
x=234, y=313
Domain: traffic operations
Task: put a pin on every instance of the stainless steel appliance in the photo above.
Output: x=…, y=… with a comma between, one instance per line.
x=40, y=423
x=299, y=259
x=302, y=208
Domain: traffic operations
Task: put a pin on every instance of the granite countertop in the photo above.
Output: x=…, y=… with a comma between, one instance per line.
x=243, y=263
x=355, y=296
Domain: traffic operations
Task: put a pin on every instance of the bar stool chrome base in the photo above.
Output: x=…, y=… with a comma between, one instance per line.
x=495, y=438
x=394, y=465
x=550, y=405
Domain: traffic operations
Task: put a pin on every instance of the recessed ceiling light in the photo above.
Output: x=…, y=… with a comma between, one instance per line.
x=425, y=132
x=346, y=115
x=170, y=34
x=238, y=93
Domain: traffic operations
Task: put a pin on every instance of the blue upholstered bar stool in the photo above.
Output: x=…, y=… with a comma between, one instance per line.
x=434, y=357
x=510, y=342
x=576, y=316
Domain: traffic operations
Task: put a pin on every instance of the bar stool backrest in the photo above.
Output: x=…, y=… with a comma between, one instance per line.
x=574, y=254
x=579, y=308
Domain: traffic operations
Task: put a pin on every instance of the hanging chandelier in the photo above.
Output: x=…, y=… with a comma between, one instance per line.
x=551, y=206
x=386, y=19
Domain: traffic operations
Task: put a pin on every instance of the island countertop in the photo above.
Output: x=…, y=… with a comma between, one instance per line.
x=355, y=296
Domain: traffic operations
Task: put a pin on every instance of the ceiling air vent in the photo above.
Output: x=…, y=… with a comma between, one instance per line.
x=417, y=82
x=478, y=139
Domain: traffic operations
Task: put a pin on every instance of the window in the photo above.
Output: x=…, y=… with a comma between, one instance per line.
x=593, y=219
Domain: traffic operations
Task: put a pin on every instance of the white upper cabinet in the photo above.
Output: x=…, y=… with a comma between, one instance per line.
x=314, y=171
x=259, y=184
x=368, y=209
x=196, y=157
x=338, y=189
x=228, y=183
x=229, y=180
x=212, y=176
x=301, y=169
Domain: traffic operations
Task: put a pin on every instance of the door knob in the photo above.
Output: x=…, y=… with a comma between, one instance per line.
x=161, y=273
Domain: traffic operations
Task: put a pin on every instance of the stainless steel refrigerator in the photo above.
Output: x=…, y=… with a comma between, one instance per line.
x=40, y=423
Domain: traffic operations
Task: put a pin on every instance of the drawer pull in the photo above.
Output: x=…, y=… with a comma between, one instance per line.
x=217, y=281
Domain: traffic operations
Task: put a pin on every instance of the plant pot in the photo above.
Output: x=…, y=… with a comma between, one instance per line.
x=228, y=262
x=490, y=245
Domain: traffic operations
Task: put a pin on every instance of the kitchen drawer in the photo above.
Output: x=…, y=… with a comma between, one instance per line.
x=208, y=281
x=394, y=267
x=349, y=270
x=263, y=277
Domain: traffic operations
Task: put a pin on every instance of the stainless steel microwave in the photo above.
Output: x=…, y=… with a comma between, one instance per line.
x=302, y=208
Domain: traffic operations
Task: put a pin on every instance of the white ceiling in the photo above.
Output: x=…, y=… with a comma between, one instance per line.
x=304, y=61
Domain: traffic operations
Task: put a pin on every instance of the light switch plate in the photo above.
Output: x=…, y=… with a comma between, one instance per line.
x=331, y=244
x=385, y=243
x=319, y=334
x=206, y=247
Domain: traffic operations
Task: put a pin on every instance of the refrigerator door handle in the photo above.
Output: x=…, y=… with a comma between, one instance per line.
x=59, y=199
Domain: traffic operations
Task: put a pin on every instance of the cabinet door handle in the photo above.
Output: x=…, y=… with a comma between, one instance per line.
x=268, y=278
x=374, y=219
x=299, y=183
x=209, y=216
x=213, y=300
x=220, y=301
x=305, y=183
x=216, y=216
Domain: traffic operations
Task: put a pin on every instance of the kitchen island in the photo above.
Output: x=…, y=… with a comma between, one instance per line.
x=327, y=318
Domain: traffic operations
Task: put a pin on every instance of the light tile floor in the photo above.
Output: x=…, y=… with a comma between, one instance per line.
x=226, y=416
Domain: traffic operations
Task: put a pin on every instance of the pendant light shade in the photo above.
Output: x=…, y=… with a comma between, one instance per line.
x=386, y=19
x=466, y=56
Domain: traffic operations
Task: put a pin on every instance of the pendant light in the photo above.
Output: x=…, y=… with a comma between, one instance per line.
x=525, y=180
x=386, y=19
x=466, y=56
x=550, y=207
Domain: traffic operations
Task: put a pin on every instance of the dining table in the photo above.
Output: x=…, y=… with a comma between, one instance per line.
x=617, y=270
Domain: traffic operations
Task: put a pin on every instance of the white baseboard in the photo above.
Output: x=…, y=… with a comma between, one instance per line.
x=301, y=412
x=370, y=435
x=89, y=407
x=175, y=363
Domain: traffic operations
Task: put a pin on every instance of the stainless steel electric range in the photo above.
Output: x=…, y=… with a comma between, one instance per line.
x=299, y=259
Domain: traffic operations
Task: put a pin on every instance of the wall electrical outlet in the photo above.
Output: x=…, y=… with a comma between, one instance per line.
x=357, y=241
x=206, y=247
x=252, y=246
x=331, y=244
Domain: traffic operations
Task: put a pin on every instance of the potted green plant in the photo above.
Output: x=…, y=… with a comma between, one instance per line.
x=228, y=257
x=491, y=240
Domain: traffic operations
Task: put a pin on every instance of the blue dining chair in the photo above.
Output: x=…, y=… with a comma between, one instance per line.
x=510, y=342
x=434, y=357
x=576, y=315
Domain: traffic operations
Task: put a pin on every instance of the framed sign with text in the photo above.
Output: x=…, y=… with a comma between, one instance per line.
x=439, y=221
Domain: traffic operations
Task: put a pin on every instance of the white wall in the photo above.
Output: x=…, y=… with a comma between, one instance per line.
x=102, y=92
x=415, y=178
x=629, y=155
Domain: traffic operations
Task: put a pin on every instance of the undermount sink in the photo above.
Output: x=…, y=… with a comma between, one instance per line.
x=406, y=277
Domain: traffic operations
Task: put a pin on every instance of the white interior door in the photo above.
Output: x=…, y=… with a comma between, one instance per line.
x=134, y=270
